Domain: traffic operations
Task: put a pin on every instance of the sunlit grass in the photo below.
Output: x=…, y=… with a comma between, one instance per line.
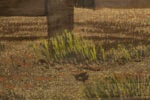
x=118, y=85
x=67, y=47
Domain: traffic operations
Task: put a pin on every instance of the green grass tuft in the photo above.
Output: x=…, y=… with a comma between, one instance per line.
x=67, y=46
x=117, y=85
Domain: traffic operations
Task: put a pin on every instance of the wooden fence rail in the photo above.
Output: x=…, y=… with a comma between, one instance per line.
x=112, y=3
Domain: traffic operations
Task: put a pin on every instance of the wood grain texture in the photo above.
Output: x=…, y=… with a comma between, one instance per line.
x=122, y=3
x=60, y=16
x=22, y=7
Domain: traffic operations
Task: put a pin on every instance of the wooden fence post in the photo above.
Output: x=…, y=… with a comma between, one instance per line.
x=60, y=16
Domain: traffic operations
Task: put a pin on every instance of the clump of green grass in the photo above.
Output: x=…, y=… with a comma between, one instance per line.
x=67, y=46
x=123, y=54
x=139, y=52
x=120, y=54
x=119, y=85
x=101, y=53
x=2, y=46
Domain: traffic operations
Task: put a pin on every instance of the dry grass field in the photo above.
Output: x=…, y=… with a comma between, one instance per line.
x=25, y=75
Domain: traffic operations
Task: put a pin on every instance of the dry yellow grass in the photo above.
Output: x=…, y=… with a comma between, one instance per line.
x=114, y=26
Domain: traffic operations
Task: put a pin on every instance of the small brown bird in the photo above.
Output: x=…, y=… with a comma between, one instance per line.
x=81, y=76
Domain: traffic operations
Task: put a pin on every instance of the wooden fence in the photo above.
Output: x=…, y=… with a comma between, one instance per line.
x=59, y=12
x=113, y=3
x=122, y=3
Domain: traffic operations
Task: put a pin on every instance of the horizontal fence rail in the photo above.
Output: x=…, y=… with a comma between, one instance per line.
x=112, y=3
x=22, y=8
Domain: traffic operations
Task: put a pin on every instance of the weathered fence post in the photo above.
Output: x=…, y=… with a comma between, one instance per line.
x=60, y=16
